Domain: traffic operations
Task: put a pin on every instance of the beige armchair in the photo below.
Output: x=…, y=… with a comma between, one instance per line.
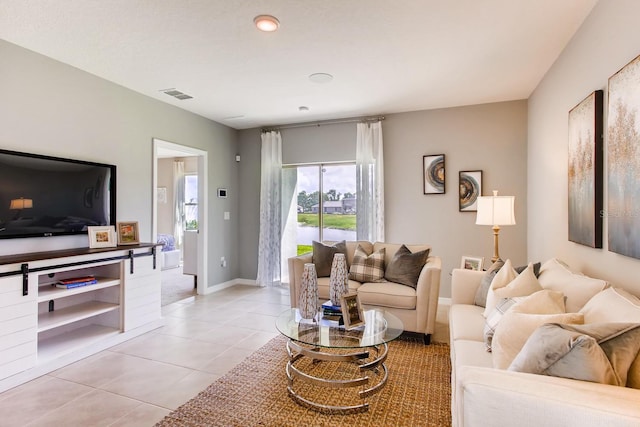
x=417, y=308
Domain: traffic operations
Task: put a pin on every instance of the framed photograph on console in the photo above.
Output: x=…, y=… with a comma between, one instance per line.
x=472, y=263
x=102, y=236
x=128, y=233
x=352, y=312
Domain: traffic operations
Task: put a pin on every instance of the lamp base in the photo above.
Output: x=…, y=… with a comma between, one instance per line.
x=496, y=254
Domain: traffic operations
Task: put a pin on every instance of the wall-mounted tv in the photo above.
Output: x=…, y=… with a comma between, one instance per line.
x=50, y=196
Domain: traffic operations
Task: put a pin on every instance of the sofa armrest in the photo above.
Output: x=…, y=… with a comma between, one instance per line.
x=464, y=285
x=296, y=267
x=505, y=398
x=427, y=294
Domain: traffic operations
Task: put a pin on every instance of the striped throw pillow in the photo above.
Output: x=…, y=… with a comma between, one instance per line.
x=367, y=268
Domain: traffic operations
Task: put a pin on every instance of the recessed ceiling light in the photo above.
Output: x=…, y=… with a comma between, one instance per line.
x=266, y=23
x=303, y=108
x=321, y=77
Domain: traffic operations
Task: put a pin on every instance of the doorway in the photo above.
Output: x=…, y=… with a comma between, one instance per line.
x=180, y=216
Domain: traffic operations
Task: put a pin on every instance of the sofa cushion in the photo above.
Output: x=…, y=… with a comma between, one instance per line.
x=466, y=322
x=515, y=328
x=387, y=294
x=405, y=267
x=324, y=288
x=578, y=288
x=471, y=353
x=600, y=352
x=365, y=267
x=323, y=256
x=521, y=285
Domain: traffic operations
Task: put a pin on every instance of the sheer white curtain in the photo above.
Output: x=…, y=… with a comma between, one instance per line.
x=178, y=201
x=270, y=210
x=369, y=182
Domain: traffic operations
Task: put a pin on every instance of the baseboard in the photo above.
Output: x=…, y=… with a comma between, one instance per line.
x=228, y=284
x=444, y=301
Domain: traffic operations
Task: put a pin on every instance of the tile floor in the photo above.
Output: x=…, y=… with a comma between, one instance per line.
x=138, y=382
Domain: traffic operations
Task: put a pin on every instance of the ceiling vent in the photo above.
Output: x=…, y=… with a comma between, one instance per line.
x=177, y=94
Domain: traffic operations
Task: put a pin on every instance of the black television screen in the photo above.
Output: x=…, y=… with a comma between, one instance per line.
x=50, y=196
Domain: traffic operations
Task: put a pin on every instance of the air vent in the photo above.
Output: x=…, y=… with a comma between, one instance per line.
x=177, y=94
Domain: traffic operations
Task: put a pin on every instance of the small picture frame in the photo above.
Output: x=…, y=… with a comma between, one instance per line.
x=472, y=263
x=433, y=174
x=128, y=233
x=352, y=312
x=103, y=236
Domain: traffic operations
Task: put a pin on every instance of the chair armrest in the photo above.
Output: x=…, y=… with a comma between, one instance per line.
x=296, y=267
x=464, y=285
x=506, y=398
x=427, y=294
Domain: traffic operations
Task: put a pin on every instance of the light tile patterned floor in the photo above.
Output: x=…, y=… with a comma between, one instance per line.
x=138, y=382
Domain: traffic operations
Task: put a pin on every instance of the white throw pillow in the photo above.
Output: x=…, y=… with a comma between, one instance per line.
x=524, y=284
x=578, y=288
x=515, y=328
x=541, y=302
x=505, y=276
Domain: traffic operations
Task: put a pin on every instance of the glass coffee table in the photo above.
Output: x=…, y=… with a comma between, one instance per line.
x=326, y=361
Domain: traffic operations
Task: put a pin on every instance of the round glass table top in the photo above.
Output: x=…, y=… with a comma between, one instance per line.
x=379, y=327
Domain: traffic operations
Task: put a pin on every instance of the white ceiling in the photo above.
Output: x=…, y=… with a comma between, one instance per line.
x=386, y=56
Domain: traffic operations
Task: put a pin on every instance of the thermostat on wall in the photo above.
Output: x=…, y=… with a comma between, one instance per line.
x=222, y=193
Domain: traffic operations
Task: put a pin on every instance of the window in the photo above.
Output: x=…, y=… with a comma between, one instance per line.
x=191, y=202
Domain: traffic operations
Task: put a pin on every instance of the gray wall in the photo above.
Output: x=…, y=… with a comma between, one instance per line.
x=54, y=109
x=488, y=137
x=607, y=40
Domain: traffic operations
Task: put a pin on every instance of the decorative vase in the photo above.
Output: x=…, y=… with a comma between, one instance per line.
x=308, y=303
x=339, y=279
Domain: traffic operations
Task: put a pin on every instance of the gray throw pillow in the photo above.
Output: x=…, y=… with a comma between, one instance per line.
x=485, y=284
x=323, y=256
x=405, y=267
x=598, y=352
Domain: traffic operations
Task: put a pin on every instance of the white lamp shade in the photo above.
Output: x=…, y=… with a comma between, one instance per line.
x=21, y=204
x=496, y=210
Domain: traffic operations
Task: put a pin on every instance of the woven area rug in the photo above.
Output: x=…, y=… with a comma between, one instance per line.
x=254, y=393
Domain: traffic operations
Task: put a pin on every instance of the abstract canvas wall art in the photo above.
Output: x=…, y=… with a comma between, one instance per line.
x=585, y=171
x=433, y=174
x=623, y=161
x=470, y=184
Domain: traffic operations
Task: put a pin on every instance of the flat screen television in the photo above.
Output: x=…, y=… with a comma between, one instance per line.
x=50, y=196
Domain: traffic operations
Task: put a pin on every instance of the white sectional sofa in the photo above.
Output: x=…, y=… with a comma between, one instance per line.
x=483, y=395
x=417, y=308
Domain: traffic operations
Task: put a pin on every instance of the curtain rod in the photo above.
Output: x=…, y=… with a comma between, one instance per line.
x=324, y=122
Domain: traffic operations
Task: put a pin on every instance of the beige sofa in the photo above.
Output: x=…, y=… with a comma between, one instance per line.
x=417, y=308
x=485, y=396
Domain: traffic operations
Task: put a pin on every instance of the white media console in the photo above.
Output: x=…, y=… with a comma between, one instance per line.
x=44, y=327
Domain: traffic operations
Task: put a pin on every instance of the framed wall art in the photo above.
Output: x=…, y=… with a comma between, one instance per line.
x=623, y=161
x=102, y=236
x=470, y=185
x=585, y=171
x=128, y=233
x=433, y=174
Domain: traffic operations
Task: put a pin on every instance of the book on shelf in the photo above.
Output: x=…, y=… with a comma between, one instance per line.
x=76, y=282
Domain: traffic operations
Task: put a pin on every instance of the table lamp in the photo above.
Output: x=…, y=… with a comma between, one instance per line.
x=496, y=211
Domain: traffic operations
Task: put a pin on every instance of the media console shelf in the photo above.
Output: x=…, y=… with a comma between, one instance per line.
x=44, y=327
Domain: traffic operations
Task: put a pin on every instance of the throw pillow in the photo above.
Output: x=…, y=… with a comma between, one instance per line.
x=323, y=256
x=367, y=268
x=405, y=267
x=541, y=302
x=481, y=294
x=578, y=288
x=515, y=328
x=612, y=305
x=600, y=352
x=522, y=285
